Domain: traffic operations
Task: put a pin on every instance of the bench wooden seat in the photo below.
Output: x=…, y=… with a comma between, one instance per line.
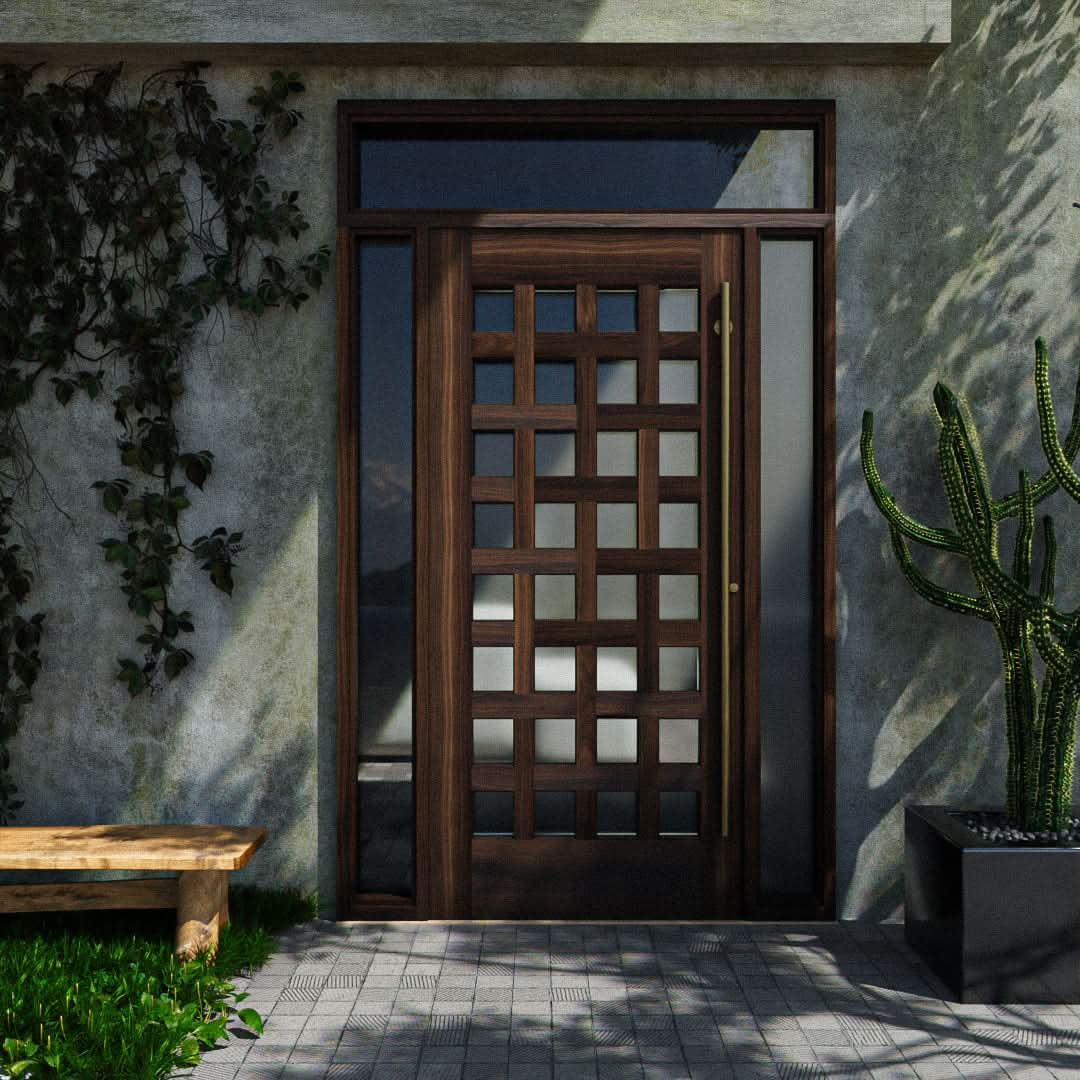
x=202, y=855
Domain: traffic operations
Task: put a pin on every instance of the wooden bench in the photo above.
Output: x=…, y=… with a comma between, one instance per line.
x=203, y=855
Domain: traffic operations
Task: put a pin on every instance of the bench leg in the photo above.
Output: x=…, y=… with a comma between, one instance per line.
x=202, y=909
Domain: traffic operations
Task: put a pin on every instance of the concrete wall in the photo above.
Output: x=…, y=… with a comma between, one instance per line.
x=957, y=246
x=747, y=22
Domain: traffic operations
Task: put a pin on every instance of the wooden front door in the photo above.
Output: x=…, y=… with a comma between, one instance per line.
x=578, y=676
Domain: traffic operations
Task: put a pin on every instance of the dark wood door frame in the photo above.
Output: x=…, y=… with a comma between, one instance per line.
x=442, y=839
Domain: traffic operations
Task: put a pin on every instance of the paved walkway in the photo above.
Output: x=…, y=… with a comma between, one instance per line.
x=461, y=1001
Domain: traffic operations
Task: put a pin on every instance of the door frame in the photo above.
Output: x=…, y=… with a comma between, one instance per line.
x=817, y=224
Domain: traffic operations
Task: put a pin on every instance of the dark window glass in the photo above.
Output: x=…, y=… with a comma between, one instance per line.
x=555, y=813
x=493, y=309
x=678, y=813
x=555, y=382
x=616, y=813
x=733, y=167
x=493, y=813
x=386, y=612
x=493, y=382
x=616, y=310
x=493, y=525
x=493, y=453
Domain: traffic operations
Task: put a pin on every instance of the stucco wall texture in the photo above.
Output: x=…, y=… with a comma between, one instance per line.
x=958, y=244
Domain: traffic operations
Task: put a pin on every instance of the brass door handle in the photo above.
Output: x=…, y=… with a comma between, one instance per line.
x=729, y=587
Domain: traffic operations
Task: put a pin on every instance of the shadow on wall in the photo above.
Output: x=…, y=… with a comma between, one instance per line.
x=977, y=211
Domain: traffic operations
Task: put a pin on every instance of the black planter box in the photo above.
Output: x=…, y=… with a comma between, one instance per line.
x=996, y=921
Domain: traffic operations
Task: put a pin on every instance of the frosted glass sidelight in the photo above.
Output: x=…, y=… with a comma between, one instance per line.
x=679, y=596
x=493, y=525
x=616, y=667
x=493, y=453
x=678, y=310
x=493, y=382
x=555, y=668
x=678, y=453
x=555, y=310
x=678, y=813
x=616, y=596
x=493, y=596
x=678, y=382
x=616, y=453
x=787, y=566
x=678, y=525
x=616, y=740
x=555, y=453
x=555, y=813
x=493, y=813
x=616, y=382
x=555, y=596
x=555, y=382
x=679, y=667
x=616, y=310
x=493, y=740
x=493, y=309
x=679, y=740
x=493, y=667
x=554, y=740
x=556, y=525
x=616, y=813
x=616, y=525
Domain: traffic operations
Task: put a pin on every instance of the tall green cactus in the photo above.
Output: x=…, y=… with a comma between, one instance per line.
x=1039, y=722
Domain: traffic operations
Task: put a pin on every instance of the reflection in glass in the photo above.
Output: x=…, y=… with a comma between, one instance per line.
x=616, y=667
x=679, y=667
x=493, y=813
x=493, y=382
x=616, y=453
x=678, y=813
x=787, y=566
x=493, y=740
x=616, y=382
x=555, y=596
x=679, y=740
x=555, y=453
x=616, y=596
x=678, y=310
x=678, y=453
x=616, y=525
x=493, y=596
x=678, y=525
x=554, y=740
x=386, y=614
x=493, y=309
x=678, y=382
x=493, y=667
x=493, y=453
x=732, y=167
x=616, y=310
x=555, y=525
x=555, y=813
x=616, y=813
x=555, y=382
x=679, y=596
x=555, y=310
x=616, y=740
x=493, y=525
x=555, y=668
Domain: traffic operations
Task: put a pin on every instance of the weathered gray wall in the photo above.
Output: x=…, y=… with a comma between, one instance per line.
x=957, y=245
x=756, y=22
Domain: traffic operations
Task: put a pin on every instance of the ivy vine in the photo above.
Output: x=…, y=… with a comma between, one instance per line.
x=129, y=215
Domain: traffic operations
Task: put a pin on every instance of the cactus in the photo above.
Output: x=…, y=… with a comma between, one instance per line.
x=1039, y=721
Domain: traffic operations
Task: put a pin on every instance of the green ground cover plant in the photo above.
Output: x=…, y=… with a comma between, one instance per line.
x=100, y=996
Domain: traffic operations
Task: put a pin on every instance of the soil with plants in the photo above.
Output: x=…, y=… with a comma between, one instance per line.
x=100, y=995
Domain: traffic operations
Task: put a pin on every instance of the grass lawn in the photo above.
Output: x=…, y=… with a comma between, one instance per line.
x=100, y=996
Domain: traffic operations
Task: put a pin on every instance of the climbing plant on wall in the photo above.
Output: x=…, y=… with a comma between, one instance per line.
x=129, y=215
